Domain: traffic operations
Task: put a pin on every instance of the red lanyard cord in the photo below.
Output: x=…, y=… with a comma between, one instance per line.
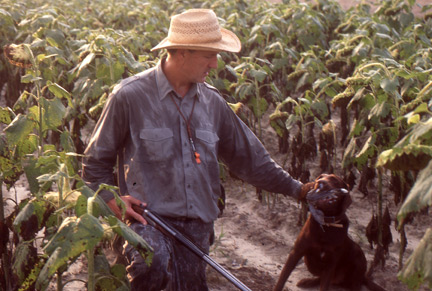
x=189, y=131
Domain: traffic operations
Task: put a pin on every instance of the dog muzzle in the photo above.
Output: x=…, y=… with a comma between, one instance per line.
x=315, y=195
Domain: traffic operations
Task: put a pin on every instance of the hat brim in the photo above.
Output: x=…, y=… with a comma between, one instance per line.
x=229, y=43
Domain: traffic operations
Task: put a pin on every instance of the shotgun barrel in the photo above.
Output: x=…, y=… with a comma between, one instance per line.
x=157, y=221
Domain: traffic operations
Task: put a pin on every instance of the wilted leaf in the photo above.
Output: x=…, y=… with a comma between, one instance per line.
x=417, y=270
x=368, y=150
x=24, y=259
x=409, y=157
x=32, y=217
x=420, y=195
x=348, y=157
x=88, y=59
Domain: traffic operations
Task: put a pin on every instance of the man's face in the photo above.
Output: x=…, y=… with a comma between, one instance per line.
x=198, y=64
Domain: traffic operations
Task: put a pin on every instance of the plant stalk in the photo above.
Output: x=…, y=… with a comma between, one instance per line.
x=59, y=281
x=5, y=264
x=91, y=270
x=380, y=198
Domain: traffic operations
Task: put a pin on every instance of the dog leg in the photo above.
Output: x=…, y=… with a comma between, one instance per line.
x=289, y=266
x=297, y=252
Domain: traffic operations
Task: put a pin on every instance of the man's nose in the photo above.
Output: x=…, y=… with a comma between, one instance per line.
x=213, y=62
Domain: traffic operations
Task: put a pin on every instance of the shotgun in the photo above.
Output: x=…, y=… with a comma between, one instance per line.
x=158, y=222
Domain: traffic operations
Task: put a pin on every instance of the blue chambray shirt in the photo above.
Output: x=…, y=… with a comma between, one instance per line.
x=141, y=129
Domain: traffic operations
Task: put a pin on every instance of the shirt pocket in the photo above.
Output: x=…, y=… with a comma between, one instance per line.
x=157, y=144
x=207, y=144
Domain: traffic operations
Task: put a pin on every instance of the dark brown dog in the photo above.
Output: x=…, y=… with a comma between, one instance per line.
x=329, y=253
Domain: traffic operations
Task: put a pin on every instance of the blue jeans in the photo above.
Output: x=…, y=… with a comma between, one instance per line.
x=174, y=267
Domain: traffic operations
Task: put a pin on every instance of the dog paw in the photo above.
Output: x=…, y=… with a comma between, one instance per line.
x=308, y=282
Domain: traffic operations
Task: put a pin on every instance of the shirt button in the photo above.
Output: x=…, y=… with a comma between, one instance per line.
x=188, y=185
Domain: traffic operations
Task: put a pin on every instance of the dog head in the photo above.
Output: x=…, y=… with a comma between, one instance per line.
x=329, y=198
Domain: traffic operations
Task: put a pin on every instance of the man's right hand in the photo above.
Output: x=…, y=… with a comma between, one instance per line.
x=304, y=190
x=130, y=213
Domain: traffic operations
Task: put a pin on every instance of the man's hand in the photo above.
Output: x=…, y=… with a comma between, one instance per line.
x=304, y=190
x=130, y=213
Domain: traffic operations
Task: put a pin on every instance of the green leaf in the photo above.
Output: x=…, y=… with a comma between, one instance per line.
x=413, y=119
x=54, y=113
x=59, y=92
x=380, y=111
x=258, y=106
x=103, y=207
x=5, y=116
x=422, y=108
x=19, y=129
x=55, y=37
x=258, y=75
x=320, y=108
x=389, y=85
x=118, y=70
x=417, y=270
x=30, y=78
x=28, y=146
x=74, y=236
x=132, y=237
x=81, y=205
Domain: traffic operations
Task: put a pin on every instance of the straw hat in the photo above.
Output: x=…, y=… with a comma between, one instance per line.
x=199, y=29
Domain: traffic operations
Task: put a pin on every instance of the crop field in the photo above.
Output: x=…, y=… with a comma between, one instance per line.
x=327, y=89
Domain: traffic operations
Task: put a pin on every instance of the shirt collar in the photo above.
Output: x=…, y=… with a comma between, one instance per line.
x=165, y=88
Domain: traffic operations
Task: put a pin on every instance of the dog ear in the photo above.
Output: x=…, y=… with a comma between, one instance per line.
x=347, y=202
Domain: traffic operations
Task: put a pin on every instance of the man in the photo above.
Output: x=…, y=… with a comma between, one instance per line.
x=167, y=129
